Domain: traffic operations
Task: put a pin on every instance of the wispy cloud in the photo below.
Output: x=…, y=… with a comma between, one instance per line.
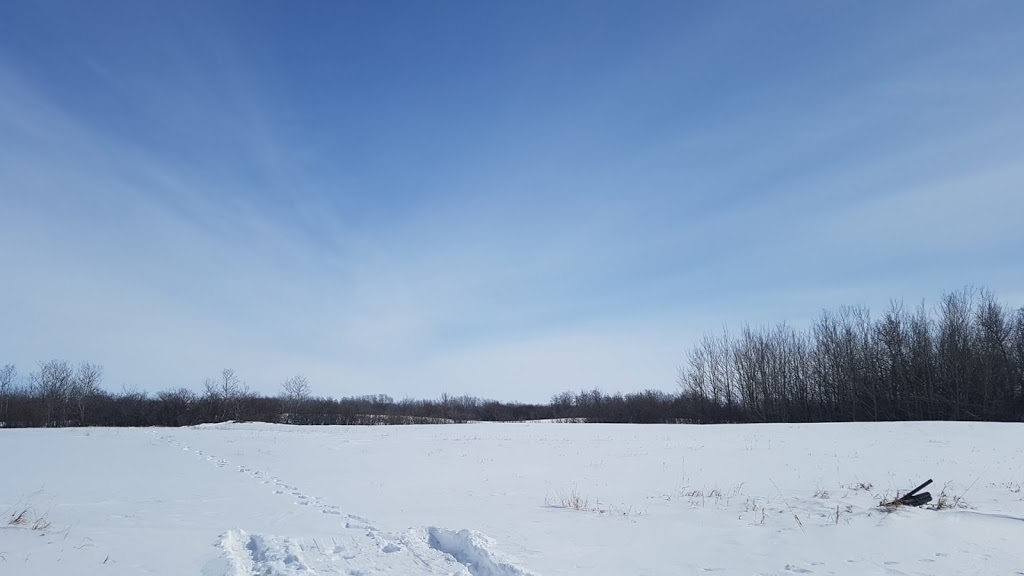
x=512, y=231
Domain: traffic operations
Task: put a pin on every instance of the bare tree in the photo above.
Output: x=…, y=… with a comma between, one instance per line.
x=7, y=375
x=85, y=387
x=956, y=352
x=53, y=384
x=993, y=342
x=210, y=389
x=230, y=383
x=225, y=394
x=295, y=392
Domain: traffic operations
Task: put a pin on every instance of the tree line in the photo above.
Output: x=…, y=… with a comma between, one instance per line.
x=961, y=360
x=59, y=394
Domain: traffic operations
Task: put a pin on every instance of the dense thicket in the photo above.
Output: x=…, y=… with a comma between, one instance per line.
x=963, y=360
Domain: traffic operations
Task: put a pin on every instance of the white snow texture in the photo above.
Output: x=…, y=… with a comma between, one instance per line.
x=511, y=500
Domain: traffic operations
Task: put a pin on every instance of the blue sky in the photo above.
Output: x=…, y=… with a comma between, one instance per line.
x=507, y=199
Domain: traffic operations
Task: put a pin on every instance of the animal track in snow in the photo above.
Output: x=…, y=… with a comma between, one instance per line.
x=365, y=549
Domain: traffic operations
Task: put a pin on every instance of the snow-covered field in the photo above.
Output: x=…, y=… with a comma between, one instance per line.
x=500, y=499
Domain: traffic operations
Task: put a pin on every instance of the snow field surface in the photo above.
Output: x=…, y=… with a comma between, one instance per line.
x=511, y=500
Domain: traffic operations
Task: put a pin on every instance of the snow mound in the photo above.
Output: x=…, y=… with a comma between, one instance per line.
x=433, y=551
x=474, y=551
x=253, y=554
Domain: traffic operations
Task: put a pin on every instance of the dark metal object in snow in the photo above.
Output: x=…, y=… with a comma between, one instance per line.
x=917, y=499
x=912, y=498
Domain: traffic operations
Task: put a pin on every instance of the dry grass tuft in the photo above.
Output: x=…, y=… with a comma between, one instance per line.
x=572, y=501
x=947, y=502
x=19, y=518
x=26, y=517
x=838, y=515
x=23, y=514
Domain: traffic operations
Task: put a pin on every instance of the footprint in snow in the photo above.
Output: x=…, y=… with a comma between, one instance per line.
x=797, y=569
